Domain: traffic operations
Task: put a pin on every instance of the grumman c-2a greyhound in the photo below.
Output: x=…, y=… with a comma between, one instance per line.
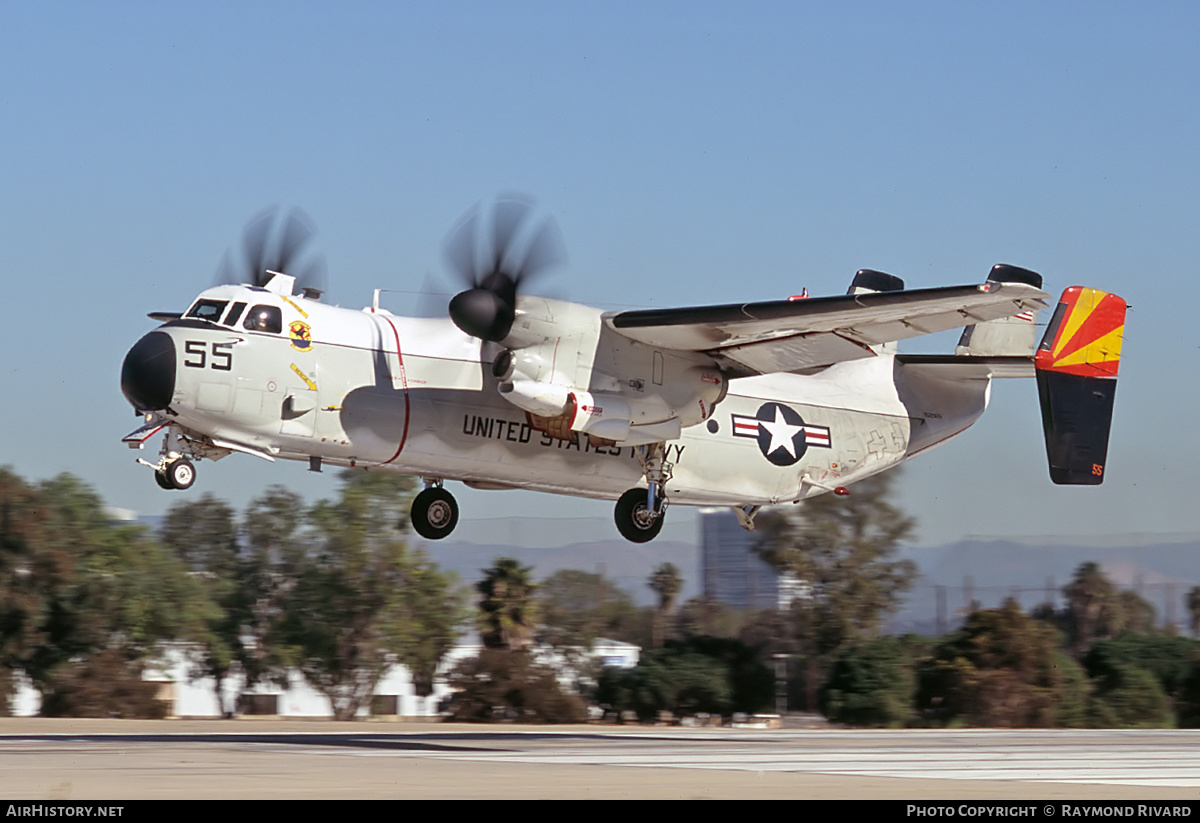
x=741, y=405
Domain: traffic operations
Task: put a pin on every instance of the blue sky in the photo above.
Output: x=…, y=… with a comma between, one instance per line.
x=691, y=152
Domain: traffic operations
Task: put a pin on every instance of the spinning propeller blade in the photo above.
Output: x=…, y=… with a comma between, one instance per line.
x=496, y=258
x=275, y=241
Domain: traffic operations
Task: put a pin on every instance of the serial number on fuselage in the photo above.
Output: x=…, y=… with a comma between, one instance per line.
x=516, y=431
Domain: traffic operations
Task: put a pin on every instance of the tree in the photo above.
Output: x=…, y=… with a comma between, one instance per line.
x=1096, y=610
x=577, y=608
x=80, y=593
x=691, y=676
x=434, y=612
x=506, y=681
x=203, y=535
x=348, y=613
x=666, y=582
x=1192, y=599
x=1002, y=668
x=508, y=610
x=842, y=552
x=871, y=684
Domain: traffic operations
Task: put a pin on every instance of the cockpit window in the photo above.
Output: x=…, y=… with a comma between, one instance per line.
x=235, y=313
x=210, y=310
x=264, y=318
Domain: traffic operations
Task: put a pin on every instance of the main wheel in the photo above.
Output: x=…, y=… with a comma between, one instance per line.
x=434, y=513
x=162, y=480
x=635, y=521
x=181, y=474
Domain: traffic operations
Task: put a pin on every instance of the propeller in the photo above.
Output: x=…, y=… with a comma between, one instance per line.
x=275, y=241
x=496, y=252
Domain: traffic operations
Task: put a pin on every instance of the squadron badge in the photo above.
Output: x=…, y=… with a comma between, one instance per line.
x=300, y=333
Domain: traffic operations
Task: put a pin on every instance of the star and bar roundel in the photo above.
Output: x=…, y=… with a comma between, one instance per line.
x=783, y=436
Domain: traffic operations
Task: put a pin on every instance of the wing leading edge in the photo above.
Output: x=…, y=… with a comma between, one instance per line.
x=797, y=335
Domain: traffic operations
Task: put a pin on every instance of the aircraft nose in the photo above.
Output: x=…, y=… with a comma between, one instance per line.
x=148, y=373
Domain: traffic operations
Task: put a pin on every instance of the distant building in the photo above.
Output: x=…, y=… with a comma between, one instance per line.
x=731, y=572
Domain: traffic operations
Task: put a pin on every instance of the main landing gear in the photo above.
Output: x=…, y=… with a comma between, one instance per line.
x=639, y=512
x=434, y=511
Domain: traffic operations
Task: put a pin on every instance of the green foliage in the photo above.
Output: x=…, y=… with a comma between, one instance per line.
x=841, y=549
x=508, y=610
x=356, y=600
x=1001, y=668
x=509, y=685
x=1187, y=702
x=577, y=608
x=686, y=677
x=1128, y=696
x=1168, y=659
x=77, y=590
x=871, y=684
x=106, y=684
x=1096, y=610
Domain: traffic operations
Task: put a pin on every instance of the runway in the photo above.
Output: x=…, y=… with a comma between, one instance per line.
x=43, y=759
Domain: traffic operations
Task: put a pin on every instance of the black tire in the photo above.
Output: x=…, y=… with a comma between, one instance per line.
x=181, y=474
x=162, y=480
x=434, y=513
x=634, y=520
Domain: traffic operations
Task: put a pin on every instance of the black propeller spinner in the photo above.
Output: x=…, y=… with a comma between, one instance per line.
x=275, y=241
x=496, y=261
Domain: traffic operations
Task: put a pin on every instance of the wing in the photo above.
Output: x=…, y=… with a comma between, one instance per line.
x=796, y=335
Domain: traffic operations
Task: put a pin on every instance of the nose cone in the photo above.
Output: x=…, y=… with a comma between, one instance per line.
x=148, y=373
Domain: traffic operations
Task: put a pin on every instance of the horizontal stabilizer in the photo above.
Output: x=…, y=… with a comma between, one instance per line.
x=1077, y=364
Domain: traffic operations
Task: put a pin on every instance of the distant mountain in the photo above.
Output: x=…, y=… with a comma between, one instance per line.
x=1034, y=570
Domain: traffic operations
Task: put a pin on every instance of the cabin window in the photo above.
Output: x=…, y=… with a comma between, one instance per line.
x=210, y=310
x=264, y=318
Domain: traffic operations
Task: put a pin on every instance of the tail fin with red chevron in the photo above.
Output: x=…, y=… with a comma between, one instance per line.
x=1077, y=364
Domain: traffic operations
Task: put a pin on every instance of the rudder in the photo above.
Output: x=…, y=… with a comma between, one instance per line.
x=1077, y=364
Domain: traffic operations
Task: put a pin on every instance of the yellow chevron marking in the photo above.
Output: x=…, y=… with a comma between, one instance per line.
x=294, y=306
x=311, y=385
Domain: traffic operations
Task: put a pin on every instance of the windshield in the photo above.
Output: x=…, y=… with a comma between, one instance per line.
x=209, y=310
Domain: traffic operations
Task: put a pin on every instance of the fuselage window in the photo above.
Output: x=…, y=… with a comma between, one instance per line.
x=235, y=313
x=210, y=310
x=265, y=318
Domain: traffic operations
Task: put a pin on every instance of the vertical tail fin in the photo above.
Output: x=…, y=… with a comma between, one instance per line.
x=1077, y=364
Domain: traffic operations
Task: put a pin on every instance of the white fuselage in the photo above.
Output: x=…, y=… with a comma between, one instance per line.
x=371, y=389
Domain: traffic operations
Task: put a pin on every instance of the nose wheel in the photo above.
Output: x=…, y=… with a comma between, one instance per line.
x=434, y=513
x=177, y=474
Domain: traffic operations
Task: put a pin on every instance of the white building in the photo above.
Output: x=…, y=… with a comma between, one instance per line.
x=394, y=695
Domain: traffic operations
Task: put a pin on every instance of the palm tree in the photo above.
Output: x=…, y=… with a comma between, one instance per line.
x=509, y=609
x=666, y=583
x=1193, y=604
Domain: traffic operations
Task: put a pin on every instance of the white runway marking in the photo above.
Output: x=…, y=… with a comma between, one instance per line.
x=1164, y=758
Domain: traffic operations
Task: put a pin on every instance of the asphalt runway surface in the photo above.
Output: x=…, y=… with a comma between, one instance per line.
x=56, y=760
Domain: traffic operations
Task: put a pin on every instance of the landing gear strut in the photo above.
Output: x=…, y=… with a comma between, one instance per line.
x=173, y=470
x=434, y=512
x=639, y=512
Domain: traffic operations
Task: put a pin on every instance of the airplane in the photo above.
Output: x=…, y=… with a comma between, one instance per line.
x=741, y=405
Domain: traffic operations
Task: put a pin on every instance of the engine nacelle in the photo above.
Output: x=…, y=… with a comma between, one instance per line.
x=573, y=375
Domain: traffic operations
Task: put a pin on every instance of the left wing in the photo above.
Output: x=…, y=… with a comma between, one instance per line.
x=795, y=335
